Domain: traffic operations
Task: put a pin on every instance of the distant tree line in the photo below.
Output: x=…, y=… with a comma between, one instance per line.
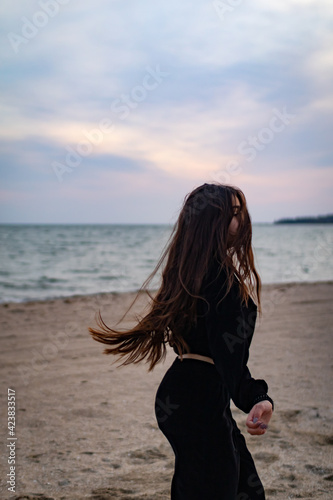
x=320, y=219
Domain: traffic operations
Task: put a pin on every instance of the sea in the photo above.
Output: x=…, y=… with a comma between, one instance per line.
x=39, y=262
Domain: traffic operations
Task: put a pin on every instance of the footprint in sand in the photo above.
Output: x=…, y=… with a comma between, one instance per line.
x=285, y=445
x=328, y=440
x=149, y=455
x=289, y=477
x=110, y=493
x=114, y=465
x=270, y=492
x=35, y=458
x=288, y=466
x=293, y=480
x=319, y=471
x=36, y=496
x=268, y=458
x=64, y=482
x=290, y=415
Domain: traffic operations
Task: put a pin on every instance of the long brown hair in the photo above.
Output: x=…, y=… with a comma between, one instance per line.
x=199, y=237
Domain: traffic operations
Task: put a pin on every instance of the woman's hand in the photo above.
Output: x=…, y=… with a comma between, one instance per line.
x=258, y=418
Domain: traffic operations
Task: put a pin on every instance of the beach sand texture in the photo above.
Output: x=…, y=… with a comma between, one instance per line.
x=87, y=429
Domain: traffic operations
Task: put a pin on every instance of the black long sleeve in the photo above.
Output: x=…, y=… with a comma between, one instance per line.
x=230, y=327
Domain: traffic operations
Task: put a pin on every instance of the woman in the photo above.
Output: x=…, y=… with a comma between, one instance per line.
x=205, y=310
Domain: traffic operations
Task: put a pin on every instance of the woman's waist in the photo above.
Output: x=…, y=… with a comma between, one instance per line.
x=198, y=357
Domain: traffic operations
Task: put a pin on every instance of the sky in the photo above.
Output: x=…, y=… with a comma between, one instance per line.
x=113, y=110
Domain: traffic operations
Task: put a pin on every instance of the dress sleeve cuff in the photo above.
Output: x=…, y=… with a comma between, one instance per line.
x=263, y=397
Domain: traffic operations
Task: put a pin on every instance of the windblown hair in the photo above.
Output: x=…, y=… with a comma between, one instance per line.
x=199, y=237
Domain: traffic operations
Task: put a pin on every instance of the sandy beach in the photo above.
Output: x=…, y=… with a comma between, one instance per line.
x=86, y=428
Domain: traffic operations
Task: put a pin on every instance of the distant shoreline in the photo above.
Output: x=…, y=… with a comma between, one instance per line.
x=68, y=299
x=320, y=219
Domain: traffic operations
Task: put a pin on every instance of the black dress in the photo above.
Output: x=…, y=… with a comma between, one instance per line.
x=192, y=404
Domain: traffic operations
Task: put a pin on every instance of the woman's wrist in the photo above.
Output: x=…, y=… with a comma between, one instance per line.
x=263, y=397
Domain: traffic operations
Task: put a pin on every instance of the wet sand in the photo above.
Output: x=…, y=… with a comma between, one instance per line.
x=87, y=429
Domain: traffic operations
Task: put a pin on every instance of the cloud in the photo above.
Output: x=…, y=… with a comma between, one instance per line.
x=226, y=75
